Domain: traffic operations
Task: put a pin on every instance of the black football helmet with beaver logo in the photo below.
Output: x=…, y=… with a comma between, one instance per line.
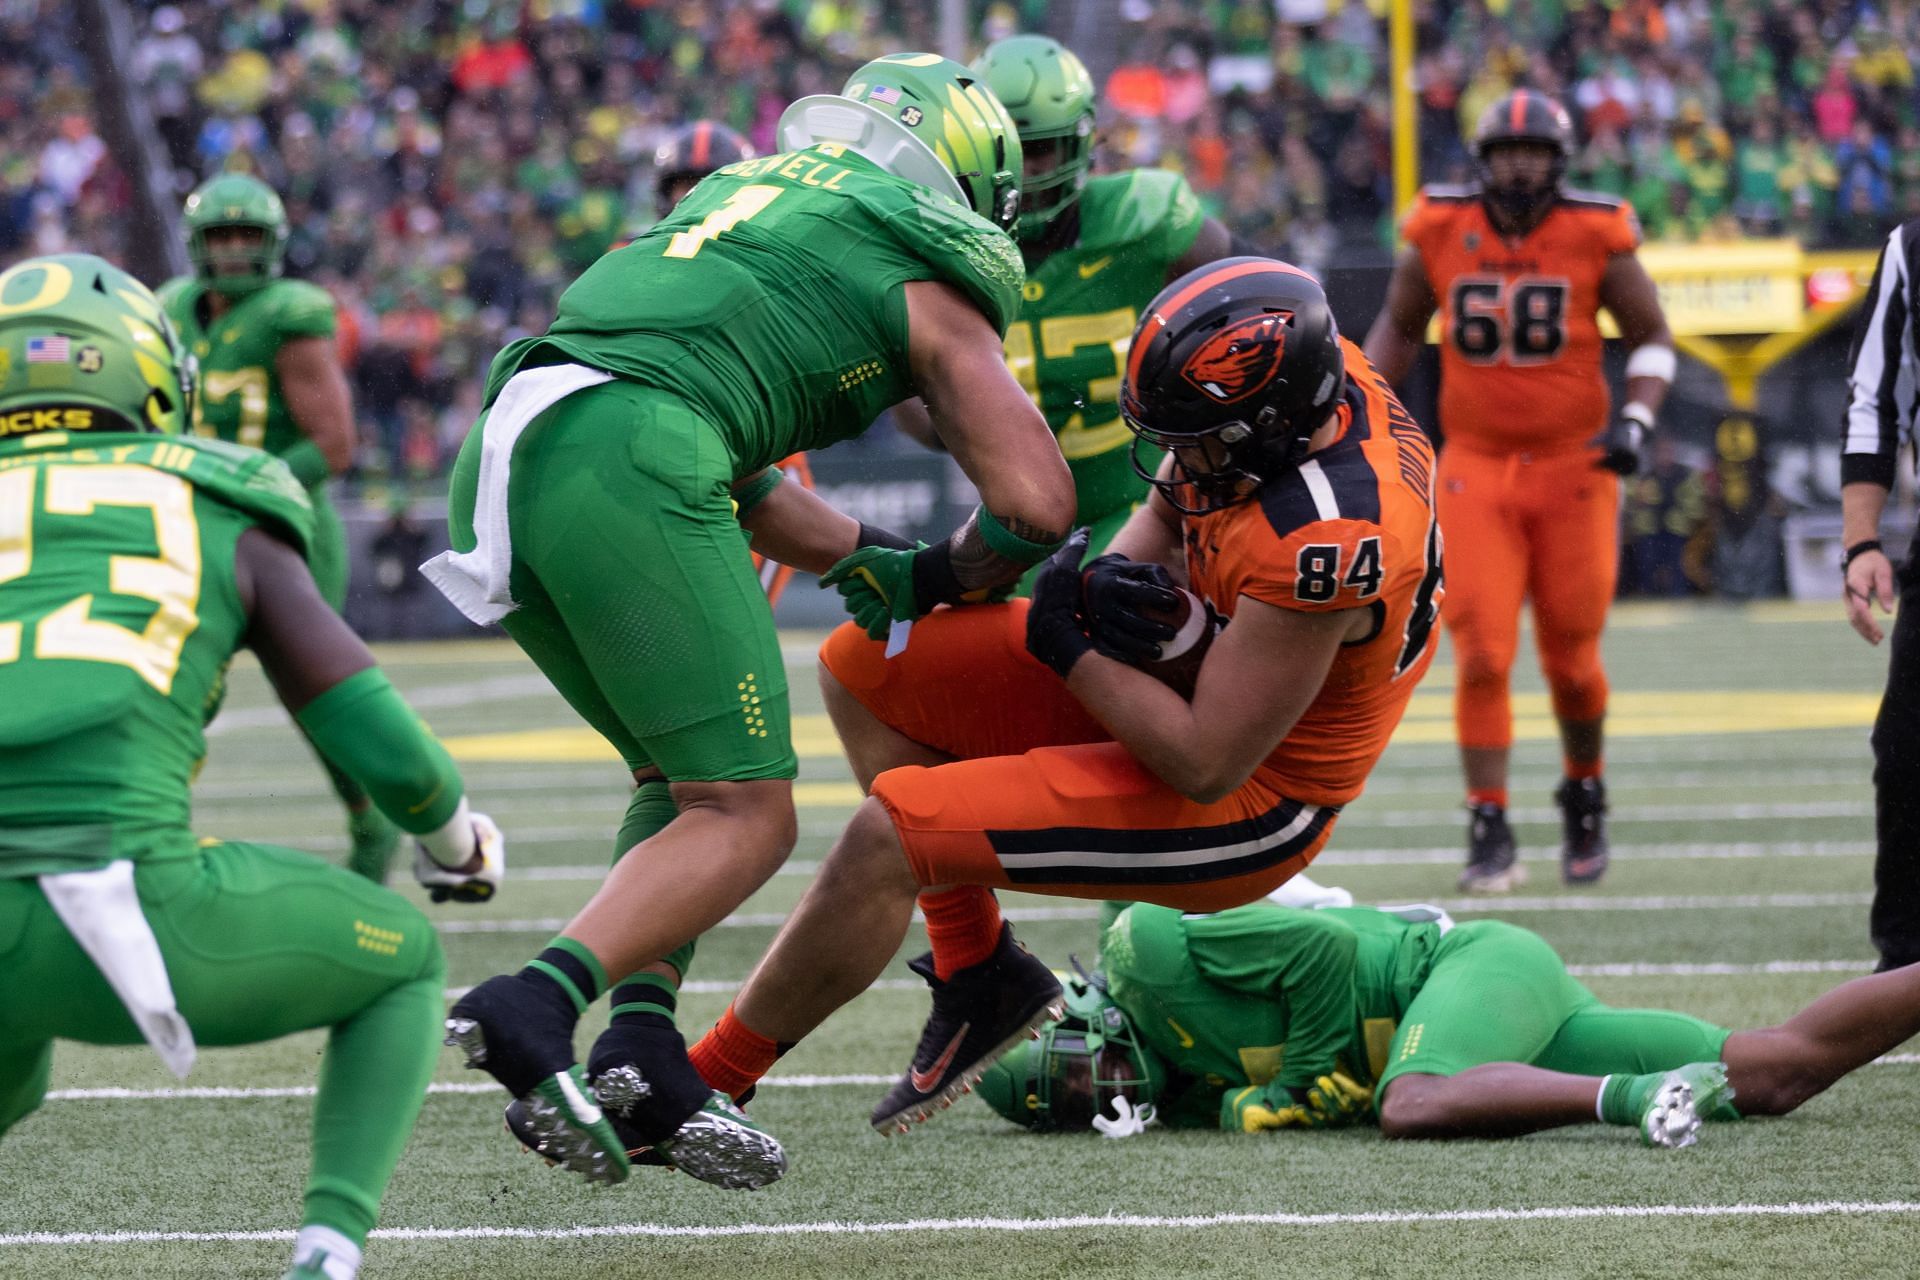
x=1233, y=368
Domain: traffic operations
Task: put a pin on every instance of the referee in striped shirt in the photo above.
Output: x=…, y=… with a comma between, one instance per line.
x=1880, y=418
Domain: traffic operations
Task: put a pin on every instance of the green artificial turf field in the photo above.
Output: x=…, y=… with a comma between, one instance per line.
x=1742, y=823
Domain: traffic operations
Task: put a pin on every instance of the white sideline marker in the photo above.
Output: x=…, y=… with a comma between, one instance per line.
x=1553, y=1213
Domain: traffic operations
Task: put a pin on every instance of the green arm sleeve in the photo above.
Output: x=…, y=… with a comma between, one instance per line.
x=308, y=464
x=369, y=732
x=1303, y=958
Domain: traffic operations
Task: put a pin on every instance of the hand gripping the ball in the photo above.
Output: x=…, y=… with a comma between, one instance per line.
x=1123, y=598
x=1056, y=631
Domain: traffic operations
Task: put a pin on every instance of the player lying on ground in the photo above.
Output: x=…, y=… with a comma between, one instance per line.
x=1005, y=748
x=1269, y=1017
x=270, y=378
x=597, y=509
x=132, y=565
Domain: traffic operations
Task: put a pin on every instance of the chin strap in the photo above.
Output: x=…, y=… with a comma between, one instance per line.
x=1133, y=1120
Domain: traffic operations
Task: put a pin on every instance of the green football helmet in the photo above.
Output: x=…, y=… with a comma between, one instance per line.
x=1047, y=91
x=86, y=347
x=923, y=118
x=236, y=200
x=1072, y=1074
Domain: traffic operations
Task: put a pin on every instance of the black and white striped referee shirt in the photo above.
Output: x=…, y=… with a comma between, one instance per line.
x=1886, y=365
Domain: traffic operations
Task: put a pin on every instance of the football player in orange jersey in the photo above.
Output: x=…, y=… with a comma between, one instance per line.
x=1530, y=463
x=1006, y=747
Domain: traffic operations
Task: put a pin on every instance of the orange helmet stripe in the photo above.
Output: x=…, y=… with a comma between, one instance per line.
x=1157, y=319
x=702, y=133
x=1517, y=113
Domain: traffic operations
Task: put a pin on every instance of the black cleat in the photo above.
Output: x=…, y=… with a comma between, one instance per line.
x=507, y=1027
x=642, y=1077
x=1583, y=808
x=978, y=1015
x=1493, y=863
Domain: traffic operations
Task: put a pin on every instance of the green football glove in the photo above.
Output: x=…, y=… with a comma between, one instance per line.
x=877, y=585
x=1333, y=1101
x=1336, y=1101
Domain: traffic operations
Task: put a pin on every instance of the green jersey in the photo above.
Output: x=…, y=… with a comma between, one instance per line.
x=1263, y=995
x=119, y=611
x=240, y=398
x=1077, y=315
x=769, y=300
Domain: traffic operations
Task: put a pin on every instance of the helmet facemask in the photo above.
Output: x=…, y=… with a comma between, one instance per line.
x=1522, y=203
x=1086, y=1068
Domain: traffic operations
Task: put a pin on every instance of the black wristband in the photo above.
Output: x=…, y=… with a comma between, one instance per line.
x=934, y=581
x=875, y=536
x=1857, y=550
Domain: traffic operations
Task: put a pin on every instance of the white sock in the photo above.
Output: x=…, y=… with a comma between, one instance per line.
x=1599, y=1100
x=339, y=1257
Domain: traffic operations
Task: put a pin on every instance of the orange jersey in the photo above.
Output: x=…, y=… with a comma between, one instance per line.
x=1353, y=527
x=1519, y=319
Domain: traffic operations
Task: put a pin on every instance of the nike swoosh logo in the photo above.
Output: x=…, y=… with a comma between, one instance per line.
x=584, y=1111
x=1186, y=1041
x=923, y=1081
x=1088, y=270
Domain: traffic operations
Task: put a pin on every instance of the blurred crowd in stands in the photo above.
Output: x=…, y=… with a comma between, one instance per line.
x=449, y=165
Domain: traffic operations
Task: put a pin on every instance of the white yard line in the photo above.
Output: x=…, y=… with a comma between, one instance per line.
x=1151, y=1222
x=235, y=1093
x=1460, y=906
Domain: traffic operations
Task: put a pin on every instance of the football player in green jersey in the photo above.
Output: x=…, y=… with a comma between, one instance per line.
x=1268, y=1017
x=133, y=563
x=1097, y=250
x=603, y=510
x=270, y=378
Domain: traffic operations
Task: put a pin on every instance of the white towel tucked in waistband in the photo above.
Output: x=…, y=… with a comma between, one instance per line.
x=477, y=580
x=102, y=912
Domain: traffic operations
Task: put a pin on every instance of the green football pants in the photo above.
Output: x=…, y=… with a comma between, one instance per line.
x=636, y=594
x=1499, y=993
x=259, y=942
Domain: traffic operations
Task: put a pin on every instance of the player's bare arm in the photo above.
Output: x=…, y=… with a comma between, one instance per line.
x=315, y=387
x=303, y=645
x=992, y=428
x=1258, y=678
x=1212, y=243
x=307, y=650
x=791, y=524
x=1151, y=534
x=1400, y=330
x=916, y=424
x=1627, y=291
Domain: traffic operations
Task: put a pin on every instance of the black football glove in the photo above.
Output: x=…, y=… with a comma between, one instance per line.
x=1620, y=443
x=1117, y=590
x=1055, y=633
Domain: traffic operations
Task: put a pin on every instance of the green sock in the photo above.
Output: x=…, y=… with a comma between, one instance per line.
x=372, y=1083
x=1624, y=1098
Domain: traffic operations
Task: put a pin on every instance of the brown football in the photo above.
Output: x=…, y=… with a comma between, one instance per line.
x=1178, y=666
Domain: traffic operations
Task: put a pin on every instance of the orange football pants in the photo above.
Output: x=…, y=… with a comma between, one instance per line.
x=1521, y=525
x=1039, y=797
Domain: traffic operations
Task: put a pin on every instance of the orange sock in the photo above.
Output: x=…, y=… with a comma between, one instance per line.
x=1491, y=795
x=1579, y=770
x=963, y=924
x=733, y=1056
